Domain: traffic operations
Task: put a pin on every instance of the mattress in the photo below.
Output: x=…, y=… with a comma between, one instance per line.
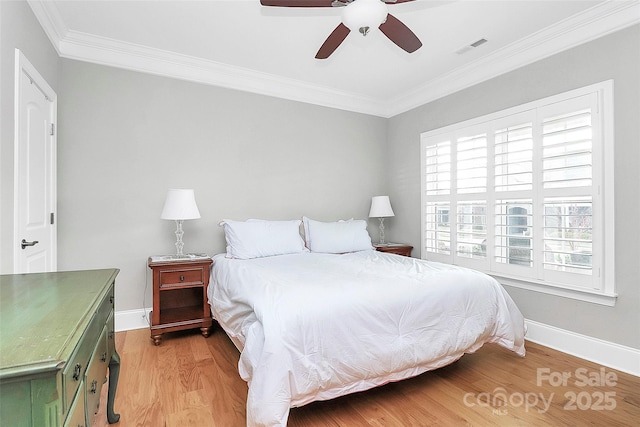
x=313, y=326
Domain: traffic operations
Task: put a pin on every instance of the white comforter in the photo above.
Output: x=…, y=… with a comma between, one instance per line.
x=316, y=326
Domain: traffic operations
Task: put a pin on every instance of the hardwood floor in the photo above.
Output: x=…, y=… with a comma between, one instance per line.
x=193, y=381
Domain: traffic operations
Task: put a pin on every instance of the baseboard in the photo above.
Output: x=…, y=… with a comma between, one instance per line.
x=616, y=356
x=612, y=355
x=128, y=320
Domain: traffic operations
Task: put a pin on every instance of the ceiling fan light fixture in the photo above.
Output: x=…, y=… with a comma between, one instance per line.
x=362, y=15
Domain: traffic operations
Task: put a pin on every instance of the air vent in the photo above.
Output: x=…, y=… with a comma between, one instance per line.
x=468, y=47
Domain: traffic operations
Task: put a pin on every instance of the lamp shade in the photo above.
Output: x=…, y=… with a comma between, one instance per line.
x=368, y=14
x=380, y=207
x=180, y=204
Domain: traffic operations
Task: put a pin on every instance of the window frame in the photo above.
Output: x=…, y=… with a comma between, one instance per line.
x=603, y=290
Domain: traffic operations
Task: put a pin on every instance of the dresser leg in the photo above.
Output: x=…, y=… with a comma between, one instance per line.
x=205, y=332
x=114, y=374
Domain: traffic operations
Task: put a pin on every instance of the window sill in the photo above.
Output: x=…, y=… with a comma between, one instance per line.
x=578, y=294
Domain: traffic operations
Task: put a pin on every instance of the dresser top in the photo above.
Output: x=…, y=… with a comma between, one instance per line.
x=43, y=315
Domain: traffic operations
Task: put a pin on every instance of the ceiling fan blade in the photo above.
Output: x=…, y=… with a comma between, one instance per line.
x=400, y=34
x=333, y=41
x=297, y=3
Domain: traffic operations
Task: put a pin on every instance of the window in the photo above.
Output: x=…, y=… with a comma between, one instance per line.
x=526, y=195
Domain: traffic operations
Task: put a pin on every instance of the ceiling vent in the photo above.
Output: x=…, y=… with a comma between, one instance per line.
x=473, y=45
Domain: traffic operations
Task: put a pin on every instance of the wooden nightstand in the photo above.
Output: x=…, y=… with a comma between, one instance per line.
x=394, y=248
x=179, y=295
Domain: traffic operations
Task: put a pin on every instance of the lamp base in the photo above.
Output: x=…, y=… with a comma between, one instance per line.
x=381, y=230
x=179, y=242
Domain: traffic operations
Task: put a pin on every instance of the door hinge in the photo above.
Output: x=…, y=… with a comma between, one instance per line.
x=53, y=129
x=52, y=218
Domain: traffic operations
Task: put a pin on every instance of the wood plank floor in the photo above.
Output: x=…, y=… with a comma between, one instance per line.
x=190, y=380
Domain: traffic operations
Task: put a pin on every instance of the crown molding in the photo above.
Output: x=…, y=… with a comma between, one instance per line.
x=105, y=51
x=50, y=20
x=593, y=23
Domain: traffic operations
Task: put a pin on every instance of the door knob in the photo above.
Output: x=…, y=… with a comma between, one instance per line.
x=24, y=243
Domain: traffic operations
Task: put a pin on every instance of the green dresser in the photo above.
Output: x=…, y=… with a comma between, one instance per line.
x=56, y=343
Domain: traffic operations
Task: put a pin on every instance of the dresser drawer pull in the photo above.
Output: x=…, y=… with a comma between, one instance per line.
x=76, y=371
x=182, y=278
x=94, y=387
x=111, y=333
x=111, y=299
x=104, y=357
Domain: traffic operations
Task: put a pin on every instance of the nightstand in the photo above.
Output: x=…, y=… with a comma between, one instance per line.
x=179, y=295
x=394, y=248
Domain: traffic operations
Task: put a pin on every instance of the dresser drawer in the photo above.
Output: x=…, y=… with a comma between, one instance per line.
x=111, y=337
x=75, y=417
x=183, y=277
x=76, y=369
x=106, y=308
x=96, y=376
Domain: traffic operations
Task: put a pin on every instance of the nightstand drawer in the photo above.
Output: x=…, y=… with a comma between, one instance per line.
x=182, y=277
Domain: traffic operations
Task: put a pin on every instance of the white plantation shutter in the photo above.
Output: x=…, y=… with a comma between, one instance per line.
x=437, y=186
x=521, y=194
x=568, y=191
x=471, y=164
x=513, y=186
x=514, y=232
x=471, y=233
x=438, y=228
x=471, y=175
x=568, y=231
x=567, y=150
x=514, y=158
x=438, y=169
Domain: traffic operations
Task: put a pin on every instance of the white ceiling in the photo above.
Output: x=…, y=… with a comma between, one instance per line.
x=242, y=45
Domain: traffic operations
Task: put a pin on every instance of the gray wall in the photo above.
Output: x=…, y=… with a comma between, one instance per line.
x=614, y=57
x=126, y=137
x=18, y=29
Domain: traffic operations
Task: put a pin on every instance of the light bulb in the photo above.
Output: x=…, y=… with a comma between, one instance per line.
x=364, y=15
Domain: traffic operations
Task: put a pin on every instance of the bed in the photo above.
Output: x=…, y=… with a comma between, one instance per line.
x=314, y=325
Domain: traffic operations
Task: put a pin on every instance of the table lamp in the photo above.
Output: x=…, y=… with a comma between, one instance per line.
x=381, y=208
x=180, y=205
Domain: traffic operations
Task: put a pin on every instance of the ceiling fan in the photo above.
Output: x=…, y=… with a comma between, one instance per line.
x=361, y=15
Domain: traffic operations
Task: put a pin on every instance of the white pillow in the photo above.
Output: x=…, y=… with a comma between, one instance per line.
x=258, y=238
x=336, y=237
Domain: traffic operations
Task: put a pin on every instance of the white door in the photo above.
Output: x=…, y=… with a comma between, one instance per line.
x=35, y=171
